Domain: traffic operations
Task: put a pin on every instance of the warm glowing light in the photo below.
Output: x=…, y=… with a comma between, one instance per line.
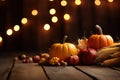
x=16, y=28
x=24, y=20
x=78, y=2
x=51, y=0
x=52, y=11
x=34, y=12
x=110, y=0
x=54, y=19
x=63, y=3
x=9, y=32
x=66, y=16
x=1, y=39
x=46, y=27
x=97, y=2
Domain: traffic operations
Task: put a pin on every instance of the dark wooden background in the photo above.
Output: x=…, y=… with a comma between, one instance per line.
x=32, y=37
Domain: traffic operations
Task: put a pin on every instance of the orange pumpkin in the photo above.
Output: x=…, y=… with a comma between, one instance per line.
x=63, y=50
x=100, y=40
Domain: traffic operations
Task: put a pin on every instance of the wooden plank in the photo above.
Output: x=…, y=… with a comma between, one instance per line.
x=5, y=66
x=65, y=73
x=101, y=73
x=116, y=68
x=27, y=71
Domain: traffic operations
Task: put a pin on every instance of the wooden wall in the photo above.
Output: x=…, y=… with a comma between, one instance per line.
x=32, y=37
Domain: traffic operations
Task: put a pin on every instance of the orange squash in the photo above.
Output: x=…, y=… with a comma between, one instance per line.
x=63, y=50
x=100, y=40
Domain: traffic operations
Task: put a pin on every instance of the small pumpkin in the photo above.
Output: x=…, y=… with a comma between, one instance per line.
x=100, y=40
x=63, y=50
x=45, y=55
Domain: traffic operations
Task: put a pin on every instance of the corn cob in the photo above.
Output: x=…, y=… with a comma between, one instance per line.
x=114, y=45
x=115, y=55
x=111, y=62
x=106, y=53
x=108, y=50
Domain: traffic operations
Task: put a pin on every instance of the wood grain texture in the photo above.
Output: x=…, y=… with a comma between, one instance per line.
x=101, y=73
x=5, y=65
x=116, y=68
x=28, y=71
x=65, y=73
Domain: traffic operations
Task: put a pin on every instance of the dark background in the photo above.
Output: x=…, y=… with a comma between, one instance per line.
x=32, y=37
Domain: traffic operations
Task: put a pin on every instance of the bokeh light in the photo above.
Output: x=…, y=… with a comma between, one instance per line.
x=54, y=19
x=9, y=32
x=46, y=27
x=24, y=20
x=16, y=28
x=51, y=0
x=66, y=16
x=78, y=2
x=34, y=12
x=1, y=39
x=63, y=3
x=110, y=0
x=52, y=11
x=97, y=2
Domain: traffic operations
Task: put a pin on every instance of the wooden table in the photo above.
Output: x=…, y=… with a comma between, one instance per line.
x=10, y=70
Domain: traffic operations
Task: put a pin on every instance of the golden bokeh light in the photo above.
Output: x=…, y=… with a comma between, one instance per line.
x=24, y=20
x=110, y=0
x=97, y=2
x=54, y=19
x=1, y=39
x=16, y=28
x=78, y=2
x=63, y=3
x=51, y=0
x=9, y=32
x=46, y=27
x=66, y=16
x=34, y=12
x=52, y=11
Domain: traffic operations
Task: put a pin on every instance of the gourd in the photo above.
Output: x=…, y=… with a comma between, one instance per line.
x=63, y=50
x=100, y=40
x=54, y=61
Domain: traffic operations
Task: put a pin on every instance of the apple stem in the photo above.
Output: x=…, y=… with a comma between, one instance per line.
x=64, y=39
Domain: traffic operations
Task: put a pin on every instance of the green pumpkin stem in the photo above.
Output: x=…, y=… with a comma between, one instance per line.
x=99, y=29
x=64, y=39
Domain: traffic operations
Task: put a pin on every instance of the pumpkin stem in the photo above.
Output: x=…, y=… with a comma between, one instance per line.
x=99, y=29
x=64, y=39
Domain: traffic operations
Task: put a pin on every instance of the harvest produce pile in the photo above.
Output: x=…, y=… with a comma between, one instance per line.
x=98, y=49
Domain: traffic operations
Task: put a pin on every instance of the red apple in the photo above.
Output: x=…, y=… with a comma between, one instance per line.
x=87, y=56
x=73, y=60
x=25, y=61
x=36, y=58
